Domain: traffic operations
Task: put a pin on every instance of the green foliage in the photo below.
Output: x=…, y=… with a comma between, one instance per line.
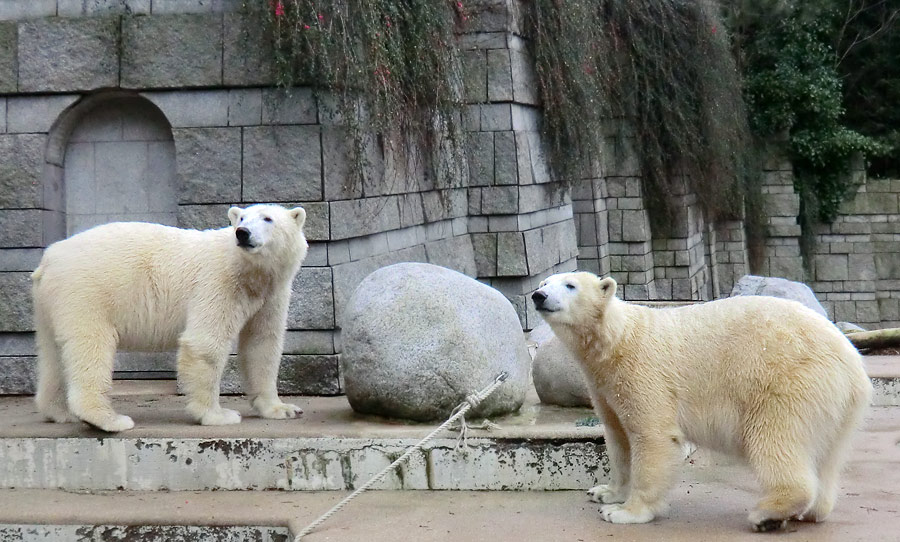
x=659, y=72
x=793, y=92
x=391, y=66
x=868, y=48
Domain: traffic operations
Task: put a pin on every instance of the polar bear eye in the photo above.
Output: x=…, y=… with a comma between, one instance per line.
x=570, y=286
x=241, y=220
x=268, y=219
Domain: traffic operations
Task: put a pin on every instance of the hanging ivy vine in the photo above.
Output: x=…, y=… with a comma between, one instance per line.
x=658, y=73
x=389, y=67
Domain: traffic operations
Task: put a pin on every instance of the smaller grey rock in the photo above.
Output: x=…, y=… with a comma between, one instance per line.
x=847, y=327
x=558, y=378
x=776, y=287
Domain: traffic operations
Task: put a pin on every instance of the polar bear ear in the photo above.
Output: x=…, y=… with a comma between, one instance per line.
x=234, y=214
x=607, y=287
x=298, y=214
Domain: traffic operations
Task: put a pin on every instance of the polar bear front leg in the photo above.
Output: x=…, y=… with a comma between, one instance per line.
x=200, y=365
x=260, y=344
x=653, y=456
x=618, y=451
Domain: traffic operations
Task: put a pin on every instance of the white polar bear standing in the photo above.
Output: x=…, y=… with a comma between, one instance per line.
x=765, y=379
x=147, y=287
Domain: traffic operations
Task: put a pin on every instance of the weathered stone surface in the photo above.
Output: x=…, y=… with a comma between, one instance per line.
x=312, y=300
x=248, y=51
x=31, y=114
x=21, y=160
x=17, y=375
x=8, y=71
x=11, y=11
x=165, y=51
x=499, y=79
x=62, y=54
x=481, y=158
x=511, y=259
x=203, y=217
x=15, y=302
x=208, y=164
x=21, y=228
x=245, y=107
x=505, y=167
x=418, y=338
x=297, y=375
x=291, y=106
x=558, y=378
x=192, y=109
x=499, y=200
x=20, y=259
x=474, y=71
x=353, y=218
x=282, y=163
x=454, y=253
x=75, y=8
x=778, y=287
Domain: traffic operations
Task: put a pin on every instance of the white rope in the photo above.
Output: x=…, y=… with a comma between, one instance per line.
x=472, y=401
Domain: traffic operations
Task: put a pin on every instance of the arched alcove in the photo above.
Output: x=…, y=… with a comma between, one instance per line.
x=120, y=166
x=111, y=157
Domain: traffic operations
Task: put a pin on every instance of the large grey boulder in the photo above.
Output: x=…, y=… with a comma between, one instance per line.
x=418, y=338
x=776, y=287
x=558, y=378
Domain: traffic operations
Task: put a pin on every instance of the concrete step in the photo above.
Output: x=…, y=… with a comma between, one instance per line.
x=329, y=448
x=885, y=374
x=709, y=502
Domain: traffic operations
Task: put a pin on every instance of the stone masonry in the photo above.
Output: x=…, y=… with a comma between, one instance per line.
x=167, y=111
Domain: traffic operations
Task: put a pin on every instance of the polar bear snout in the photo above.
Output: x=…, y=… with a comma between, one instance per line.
x=539, y=297
x=243, y=237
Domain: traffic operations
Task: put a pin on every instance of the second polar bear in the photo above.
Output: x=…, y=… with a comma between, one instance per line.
x=762, y=378
x=147, y=287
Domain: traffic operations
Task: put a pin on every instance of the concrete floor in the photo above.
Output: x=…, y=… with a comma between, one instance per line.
x=710, y=502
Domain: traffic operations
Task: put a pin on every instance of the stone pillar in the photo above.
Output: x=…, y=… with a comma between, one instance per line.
x=680, y=257
x=591, y=225
x=781, y=205
x=727, y=255
x=520, y=214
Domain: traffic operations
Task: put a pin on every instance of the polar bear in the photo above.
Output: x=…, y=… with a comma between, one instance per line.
x=762, y=378
x=148, y=287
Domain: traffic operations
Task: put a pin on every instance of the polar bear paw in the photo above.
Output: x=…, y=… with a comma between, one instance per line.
x=617, y=513
x=57, y=413
x=277, y=410
x=607, y=494
x=111, y=424
x=220, y=416
x=763, y=522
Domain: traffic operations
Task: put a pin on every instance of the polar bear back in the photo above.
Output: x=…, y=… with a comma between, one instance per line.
x=730, y=357
x=138, y=277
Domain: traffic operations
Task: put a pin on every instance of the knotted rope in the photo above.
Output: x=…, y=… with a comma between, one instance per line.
x=472, y=401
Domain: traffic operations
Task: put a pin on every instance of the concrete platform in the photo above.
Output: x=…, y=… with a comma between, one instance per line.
x=329, y=448
x=709, y=503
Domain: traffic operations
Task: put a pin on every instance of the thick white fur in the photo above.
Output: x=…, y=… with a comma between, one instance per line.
x=762, y=378
x=147, y=287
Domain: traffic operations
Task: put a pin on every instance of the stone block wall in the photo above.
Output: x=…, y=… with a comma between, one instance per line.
x=202, y=69
x=237, y=140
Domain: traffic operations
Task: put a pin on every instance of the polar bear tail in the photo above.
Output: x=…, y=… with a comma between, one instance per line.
x=37, y=274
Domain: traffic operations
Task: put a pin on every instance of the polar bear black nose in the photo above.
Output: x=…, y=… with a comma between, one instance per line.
x=538, y=298
x=243, y=235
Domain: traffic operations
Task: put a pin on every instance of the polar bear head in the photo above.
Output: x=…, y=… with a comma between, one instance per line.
x=269, y=230
x=573, y=298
